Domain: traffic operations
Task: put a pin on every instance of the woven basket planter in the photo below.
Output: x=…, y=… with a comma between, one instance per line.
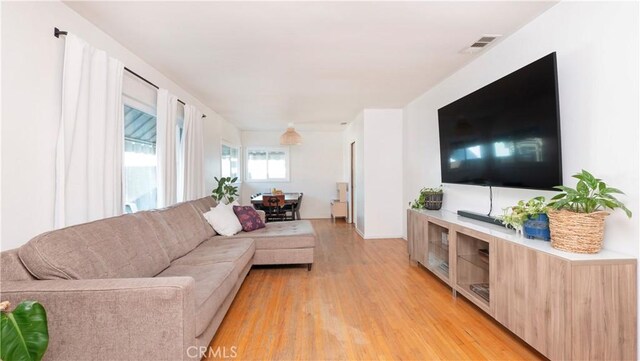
x=433, y=201
x=577, y=232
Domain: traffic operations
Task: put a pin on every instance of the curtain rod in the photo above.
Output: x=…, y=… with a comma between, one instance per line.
x=57, y=32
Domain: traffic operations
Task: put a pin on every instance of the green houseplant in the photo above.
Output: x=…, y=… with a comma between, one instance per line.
x=576, y=217
x=429, y=198
x=529, y=217
x=24, y=335
x=225, y=191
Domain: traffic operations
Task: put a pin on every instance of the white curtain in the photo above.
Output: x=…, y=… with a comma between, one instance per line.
x=167, y=113
x=90, y=137
x=193, y=154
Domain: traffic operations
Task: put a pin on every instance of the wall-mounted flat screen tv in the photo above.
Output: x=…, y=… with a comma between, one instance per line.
x=506, y=134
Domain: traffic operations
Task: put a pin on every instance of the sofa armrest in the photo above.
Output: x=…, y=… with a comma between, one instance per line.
x=114, y=319
x=262, y=214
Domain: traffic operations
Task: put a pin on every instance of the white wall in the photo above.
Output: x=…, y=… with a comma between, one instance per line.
x=383, y=172
x=379, y=170
x=31, y=87
x=598, y=53
x=315, y=168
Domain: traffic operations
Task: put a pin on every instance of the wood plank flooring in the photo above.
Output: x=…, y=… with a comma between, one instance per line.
x=362, y=300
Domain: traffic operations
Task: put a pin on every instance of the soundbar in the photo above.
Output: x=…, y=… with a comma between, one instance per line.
x=481, y=217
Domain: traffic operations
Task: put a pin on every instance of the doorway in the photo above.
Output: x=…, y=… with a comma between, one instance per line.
x=352, y=182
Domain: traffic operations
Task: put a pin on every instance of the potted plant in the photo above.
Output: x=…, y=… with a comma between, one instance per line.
x=529, y=218
x=513, y=218
x=23, y=332
x=225, y=191
x=577, y=215
x=429, y=198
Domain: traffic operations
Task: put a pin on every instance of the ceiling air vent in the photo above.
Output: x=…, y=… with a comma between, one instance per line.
x=487, y=39
x=480, y=43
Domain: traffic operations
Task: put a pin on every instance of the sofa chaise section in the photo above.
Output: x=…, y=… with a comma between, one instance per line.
x=283, y=243
x=278, y=243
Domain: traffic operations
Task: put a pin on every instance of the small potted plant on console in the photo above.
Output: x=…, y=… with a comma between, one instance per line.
x=576, y=215
x=429, y=198
x=513, y=217
x=529, y=218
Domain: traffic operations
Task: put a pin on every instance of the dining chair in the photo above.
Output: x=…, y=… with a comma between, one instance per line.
x=298, y=205
x=274, y=210
x=294, y=209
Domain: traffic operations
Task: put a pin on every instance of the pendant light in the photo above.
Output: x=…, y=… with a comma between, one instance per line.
x=290, y=137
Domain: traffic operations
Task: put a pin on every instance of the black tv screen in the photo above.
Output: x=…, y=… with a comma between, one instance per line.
x=506, y=134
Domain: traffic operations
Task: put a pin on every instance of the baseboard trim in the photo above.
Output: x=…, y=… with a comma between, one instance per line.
x=377, y=237
x=383, y=237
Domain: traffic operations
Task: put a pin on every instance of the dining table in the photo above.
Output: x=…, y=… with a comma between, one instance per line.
x=290, y=199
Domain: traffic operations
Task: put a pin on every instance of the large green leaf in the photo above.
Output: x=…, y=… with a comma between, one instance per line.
x=567, y=190
x=589, y=178
x=23, y=333
x=582, y=188
x=612, y=190
x=579, y=176
x=602, y=186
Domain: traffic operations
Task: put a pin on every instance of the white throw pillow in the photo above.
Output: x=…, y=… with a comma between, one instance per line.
x=223, y=219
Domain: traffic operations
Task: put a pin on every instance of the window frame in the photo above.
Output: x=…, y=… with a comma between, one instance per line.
x=269, y=149
x=238, y=149
x=134, y=103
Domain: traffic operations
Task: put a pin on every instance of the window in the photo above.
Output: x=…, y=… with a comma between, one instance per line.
x=140, y=185
x=230, y=161
x=267, y=164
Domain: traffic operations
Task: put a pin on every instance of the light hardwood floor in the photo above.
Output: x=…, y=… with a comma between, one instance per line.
x=363, y=300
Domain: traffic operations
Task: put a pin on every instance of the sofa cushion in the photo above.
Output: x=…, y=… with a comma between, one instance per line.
x=248, y=217
x=118, y=247
x=223, y=220
x=282, y=235
x=213, y=283
x=179, y=228
x=218, y=249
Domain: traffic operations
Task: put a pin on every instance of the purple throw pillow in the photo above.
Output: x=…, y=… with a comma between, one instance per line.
x=248, y=217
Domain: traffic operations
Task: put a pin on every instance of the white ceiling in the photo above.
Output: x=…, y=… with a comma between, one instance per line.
x=317, y=64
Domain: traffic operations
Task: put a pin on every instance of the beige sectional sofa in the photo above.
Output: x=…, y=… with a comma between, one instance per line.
x=153, y=285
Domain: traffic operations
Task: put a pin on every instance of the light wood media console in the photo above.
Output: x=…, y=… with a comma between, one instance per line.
x=565, y=305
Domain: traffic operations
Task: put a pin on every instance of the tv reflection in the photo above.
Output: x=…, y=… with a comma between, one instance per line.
x=524, y=150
